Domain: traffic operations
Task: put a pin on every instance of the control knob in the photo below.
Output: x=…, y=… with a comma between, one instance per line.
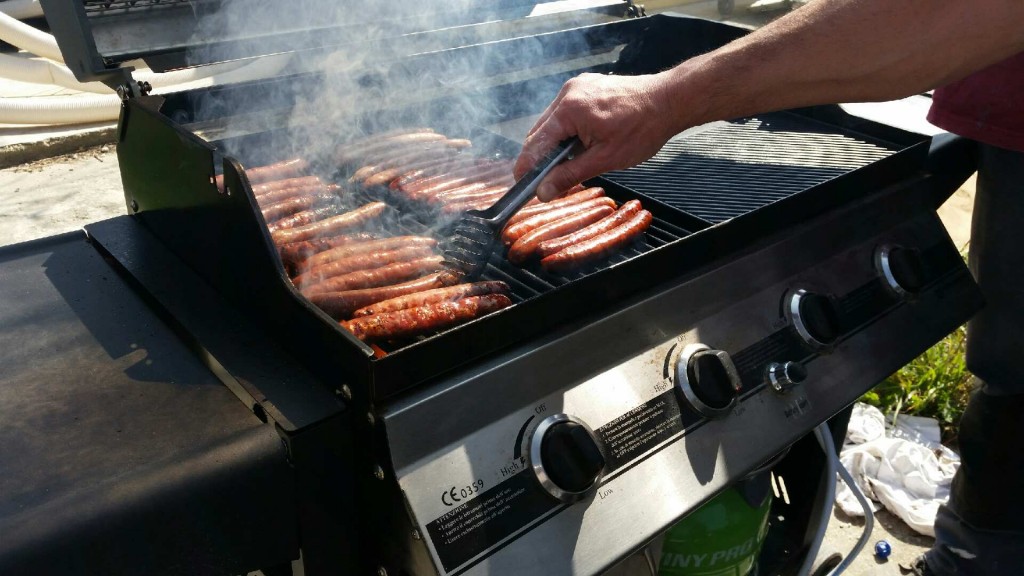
x=815, y=318
x=566, y=457
x=901, y=268
x=784, y=375
x=707, y=379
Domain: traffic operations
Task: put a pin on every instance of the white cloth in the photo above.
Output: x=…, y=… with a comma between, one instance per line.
x=903, y=467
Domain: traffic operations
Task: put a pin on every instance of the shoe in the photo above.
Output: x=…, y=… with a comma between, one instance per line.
x=917, y=568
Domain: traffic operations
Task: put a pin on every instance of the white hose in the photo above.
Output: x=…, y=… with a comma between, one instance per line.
x=22, y=9
x=824, y=437
x=28, y=38
x=45, y=72
x=100, y=108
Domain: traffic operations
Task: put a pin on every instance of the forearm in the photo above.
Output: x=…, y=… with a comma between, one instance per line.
x=844, y=51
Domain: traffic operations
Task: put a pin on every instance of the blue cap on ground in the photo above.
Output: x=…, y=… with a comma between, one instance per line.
x=883, y=549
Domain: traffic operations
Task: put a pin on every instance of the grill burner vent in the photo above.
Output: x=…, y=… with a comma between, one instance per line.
x=727, y=169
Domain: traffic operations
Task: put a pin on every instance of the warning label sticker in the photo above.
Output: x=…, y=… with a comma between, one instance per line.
x=640, y=429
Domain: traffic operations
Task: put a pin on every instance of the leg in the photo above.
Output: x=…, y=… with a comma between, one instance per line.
x=981, y=530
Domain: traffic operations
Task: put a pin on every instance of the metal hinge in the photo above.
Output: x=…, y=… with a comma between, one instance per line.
x=131, y=90
x=634, y=10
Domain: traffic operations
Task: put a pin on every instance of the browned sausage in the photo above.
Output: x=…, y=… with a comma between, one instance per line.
x=467, y=174
x=575, y=198
x=599, y=246
x=331, y=226
x=527, y=244
x=475, y=193
x=365, y=261
x=622, y=215
x=422, y=319
x=261, y=189
x=404, y=156
x=460, y=162
x=386, y=175
x=304, y=217
x=276, y=210
x=359, y=153
x=463, y=164
x=341, y=304
x=346, y=250
x=512, y=232
x=286, y=193
x=484, y=174
x=294, y=252
x=479, y=204
x=383, y=276
x=446, y=294
x=275, y=171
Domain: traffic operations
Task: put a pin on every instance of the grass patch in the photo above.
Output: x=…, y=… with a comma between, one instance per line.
x=936, y=384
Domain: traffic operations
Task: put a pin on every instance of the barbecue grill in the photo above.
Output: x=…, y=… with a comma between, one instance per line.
x=795, y=260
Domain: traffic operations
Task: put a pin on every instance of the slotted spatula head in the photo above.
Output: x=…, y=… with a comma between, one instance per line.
x=476, y=234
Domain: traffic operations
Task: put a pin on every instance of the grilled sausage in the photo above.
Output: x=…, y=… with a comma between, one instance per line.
x=304, y=217
x=512, y=232
x=459, y=162
x=622, y=215
x=358, y=153
x=341, y=304
x=480, y=204
x=527, y=244
x=383, y=276
x=331, y=226
x=475, y=194
x=403, y=157
x=385, y=175
x=474, y=189
x=286, y=193
x=487, y=173
x=422, y=319
x=261, y=189
x=276, y=210
x=275, y=171
x=294, y=252
x=364, y=261
x=446, y=294
x=346, y=250
x=599, y=246
x=538, y=207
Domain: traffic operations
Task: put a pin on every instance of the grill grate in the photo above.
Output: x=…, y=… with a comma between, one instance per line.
x=727, y=169
x=123, y=6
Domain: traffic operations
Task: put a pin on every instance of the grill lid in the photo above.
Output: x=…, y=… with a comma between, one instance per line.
x=98, y=38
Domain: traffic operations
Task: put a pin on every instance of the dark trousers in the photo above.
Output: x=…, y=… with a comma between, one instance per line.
x=981, y=530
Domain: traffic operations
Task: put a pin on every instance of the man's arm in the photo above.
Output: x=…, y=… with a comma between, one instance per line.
x=828, y=51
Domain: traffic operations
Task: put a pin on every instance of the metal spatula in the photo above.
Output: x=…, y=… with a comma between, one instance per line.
x=477, y=232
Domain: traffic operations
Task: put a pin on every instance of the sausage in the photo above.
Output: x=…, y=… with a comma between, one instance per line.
x=295, y=204
x=512, y=232
x=623, y=214
x=386, y=175
x=527, y=244
x=293, y=252
x=599, y=246
x=475, y=193
x=357, y=153
x=533, y=209
x=304, y=217
x=346, y=250
x=403, y=156
x=341, y=304
x=330, y=226
x=427, y=318
x=286, y=193
x=482, y=174
x=467, y=191
x=364, y=261
x=446, y=294
x=275, y=171
x=479, y=204
x=383, y=276
x=261, y=189
x=460, y=165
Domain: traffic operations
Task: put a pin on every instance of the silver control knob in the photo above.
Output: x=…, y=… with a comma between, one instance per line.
x=782, y=376
x=901, y=268
x=815, y=318
x=566, y=457
x=707, y=379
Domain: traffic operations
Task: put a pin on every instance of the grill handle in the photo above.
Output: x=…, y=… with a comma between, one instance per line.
x=951, y=161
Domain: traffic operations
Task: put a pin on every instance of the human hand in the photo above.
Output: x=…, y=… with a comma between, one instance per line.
x=620, y=120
